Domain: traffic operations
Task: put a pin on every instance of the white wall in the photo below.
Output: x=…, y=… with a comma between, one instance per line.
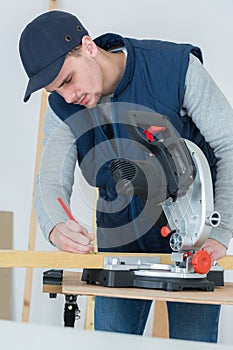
x=206, y=23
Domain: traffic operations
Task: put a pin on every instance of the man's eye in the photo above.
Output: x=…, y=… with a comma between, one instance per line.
x=68, y=80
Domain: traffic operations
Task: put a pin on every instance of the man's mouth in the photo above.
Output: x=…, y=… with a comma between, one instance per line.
x=83, y=100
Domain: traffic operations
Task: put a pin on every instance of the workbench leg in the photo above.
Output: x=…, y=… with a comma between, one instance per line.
x=71, y=310
x=89, y=318
x=160, y=323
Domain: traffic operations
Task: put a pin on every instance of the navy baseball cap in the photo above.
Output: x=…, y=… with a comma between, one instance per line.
x=44, y=44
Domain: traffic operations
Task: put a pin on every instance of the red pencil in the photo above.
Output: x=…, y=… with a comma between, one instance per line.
x=60, y=200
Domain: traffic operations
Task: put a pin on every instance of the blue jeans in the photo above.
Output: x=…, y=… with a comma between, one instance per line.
x=198, y=322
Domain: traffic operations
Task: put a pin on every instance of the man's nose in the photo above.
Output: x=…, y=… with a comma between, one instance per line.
x=70, y=96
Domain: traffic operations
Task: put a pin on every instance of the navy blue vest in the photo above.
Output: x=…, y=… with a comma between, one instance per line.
x=154, y=79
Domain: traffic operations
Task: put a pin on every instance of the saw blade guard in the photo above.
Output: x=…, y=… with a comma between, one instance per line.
x=175, y=176
x=191, y=217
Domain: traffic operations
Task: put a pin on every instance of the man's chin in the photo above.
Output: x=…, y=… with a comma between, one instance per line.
x=93, y=103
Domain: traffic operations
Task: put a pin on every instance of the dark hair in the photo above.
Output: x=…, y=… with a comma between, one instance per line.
x=76, y=51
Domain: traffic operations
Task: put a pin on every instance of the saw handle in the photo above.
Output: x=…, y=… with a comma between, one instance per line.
x=202, y=262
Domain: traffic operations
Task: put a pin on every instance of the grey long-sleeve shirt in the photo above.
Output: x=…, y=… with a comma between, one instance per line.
x=203, y=102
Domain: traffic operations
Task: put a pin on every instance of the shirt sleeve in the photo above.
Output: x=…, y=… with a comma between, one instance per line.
x=205, y=103
x=56, y=174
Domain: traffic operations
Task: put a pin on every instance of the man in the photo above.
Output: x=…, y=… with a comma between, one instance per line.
x=91, y=84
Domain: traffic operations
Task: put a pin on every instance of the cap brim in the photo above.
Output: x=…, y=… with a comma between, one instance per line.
x=44, y=77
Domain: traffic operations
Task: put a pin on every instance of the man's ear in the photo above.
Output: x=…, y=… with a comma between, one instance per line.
x=89, y=46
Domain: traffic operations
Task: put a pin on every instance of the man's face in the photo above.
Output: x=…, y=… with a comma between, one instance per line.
x=80, y=81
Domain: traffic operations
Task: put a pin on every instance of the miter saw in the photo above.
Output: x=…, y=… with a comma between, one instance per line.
x=175, y=177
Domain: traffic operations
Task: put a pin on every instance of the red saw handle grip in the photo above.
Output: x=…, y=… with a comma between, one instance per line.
x=201, y=262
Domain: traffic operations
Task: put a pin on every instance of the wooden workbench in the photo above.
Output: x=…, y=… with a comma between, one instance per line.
x=72, y=284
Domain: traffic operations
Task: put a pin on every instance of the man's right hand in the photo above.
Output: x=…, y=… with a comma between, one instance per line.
x=71, y=237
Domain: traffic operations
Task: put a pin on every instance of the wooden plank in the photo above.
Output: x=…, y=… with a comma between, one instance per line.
x=72, y=284
x=90, y=302
x=6, y=235
x=52, y=4
x=33, y=220
x=227, y=262
x=45, y=259
x=50, y=288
